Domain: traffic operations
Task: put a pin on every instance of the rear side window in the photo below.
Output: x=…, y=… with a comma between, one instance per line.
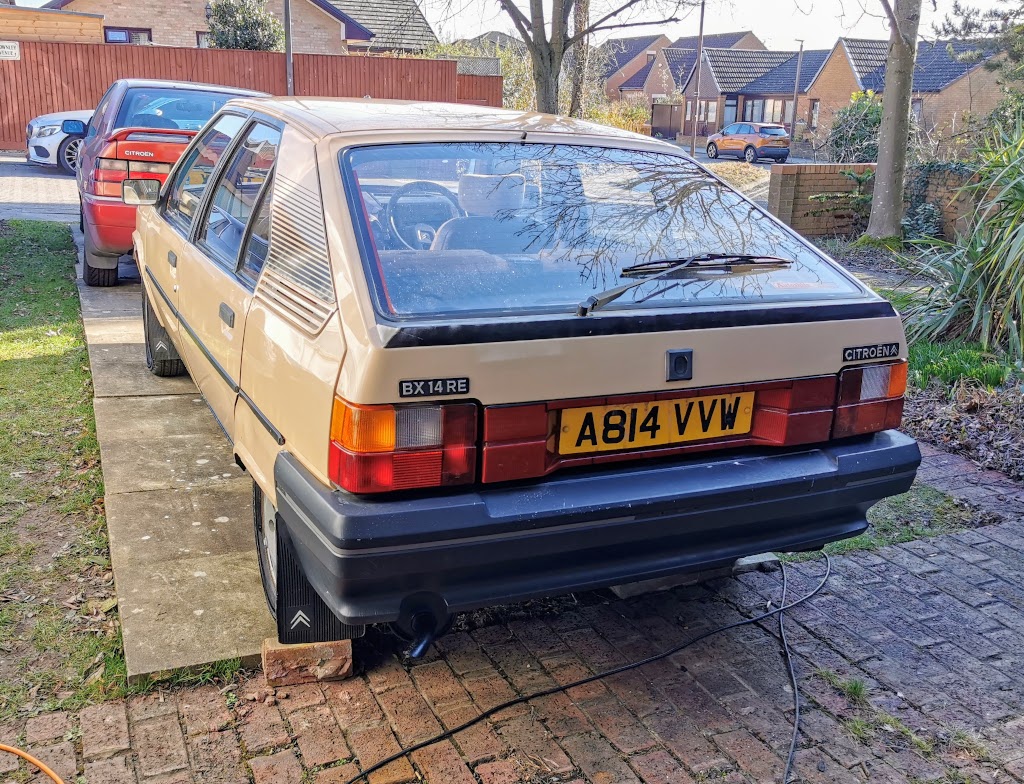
x=259, y=239
x=97, y=116
x=200, y=160
x=237, y=192
x=173, y=109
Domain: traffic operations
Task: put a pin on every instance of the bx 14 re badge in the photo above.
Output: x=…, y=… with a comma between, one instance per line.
x=428, y=387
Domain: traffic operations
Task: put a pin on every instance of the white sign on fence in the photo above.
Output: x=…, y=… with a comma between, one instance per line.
x=10, y=50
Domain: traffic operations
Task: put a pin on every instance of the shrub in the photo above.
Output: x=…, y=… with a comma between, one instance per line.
x=978, y=292
x=922, y=221
x=853, y=137
x=629, y=113
x=245, y=24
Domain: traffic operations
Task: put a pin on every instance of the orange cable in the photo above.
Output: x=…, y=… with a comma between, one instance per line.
x=32, y=761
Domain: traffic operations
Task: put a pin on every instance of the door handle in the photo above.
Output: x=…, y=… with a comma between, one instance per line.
x=227, y=315
x=172, y=258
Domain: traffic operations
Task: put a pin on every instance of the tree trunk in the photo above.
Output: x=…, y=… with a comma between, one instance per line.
x=887, y=201
x=546, y=72
x=580, y=55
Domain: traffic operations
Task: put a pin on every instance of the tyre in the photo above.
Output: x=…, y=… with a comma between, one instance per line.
x=712, y=150
x=750, y=155
x=265, y=525
x=783, y=160
x=158, y=343
x=67, y=154
x=95, y=275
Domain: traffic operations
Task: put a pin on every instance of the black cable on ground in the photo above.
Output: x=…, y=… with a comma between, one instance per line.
x=632, y=666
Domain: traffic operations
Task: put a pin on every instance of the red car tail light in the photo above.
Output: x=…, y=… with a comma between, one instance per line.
x=375, y=449
x=108, y=175
x=870, y=399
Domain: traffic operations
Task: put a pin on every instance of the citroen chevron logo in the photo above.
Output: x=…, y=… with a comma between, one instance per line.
x=161, y=346
x=300, y=617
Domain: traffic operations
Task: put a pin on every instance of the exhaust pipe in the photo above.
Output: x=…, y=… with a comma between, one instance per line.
x=425, y=630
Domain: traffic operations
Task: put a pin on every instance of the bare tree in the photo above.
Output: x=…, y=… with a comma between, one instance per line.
x=544, y=29
x=580, y=57
x=887, y=202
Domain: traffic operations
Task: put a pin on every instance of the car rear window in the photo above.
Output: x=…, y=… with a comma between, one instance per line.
x=173, y=109
x=472, y=228
x=773, y=130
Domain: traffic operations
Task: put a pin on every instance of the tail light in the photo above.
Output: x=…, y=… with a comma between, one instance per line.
x=375, y=449
x=108, y=176
x=870, y=399
x=142, y=167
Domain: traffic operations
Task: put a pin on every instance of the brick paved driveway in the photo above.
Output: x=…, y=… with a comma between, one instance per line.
x=35, y=192
x=932, y=630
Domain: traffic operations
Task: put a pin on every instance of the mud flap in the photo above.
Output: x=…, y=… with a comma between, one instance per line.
x=302, y=616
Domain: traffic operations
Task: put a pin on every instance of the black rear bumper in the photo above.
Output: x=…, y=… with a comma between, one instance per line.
x=365, y=557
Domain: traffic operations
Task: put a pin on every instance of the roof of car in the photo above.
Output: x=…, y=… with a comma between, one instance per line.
x=326, y=116
x=171, y=84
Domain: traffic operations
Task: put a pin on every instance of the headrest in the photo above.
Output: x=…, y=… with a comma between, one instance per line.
x=489, y=194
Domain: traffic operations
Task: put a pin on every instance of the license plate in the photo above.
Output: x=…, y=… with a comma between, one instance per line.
x=655, y=423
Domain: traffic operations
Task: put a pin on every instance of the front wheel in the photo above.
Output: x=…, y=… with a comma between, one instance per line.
x=712, y=150
x=750, y=155
x=265, y=525
x=67, y=154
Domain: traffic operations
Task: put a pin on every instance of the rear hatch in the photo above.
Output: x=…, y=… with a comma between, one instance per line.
x=593, y=306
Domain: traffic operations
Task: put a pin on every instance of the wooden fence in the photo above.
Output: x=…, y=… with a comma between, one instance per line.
x=53, y=77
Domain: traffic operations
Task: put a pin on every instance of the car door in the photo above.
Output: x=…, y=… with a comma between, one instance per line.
x=216, y=288
x=165, y=235
x=728, y=141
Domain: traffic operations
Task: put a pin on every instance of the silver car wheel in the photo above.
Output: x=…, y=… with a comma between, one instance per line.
x=269, y=520
x=71, y=154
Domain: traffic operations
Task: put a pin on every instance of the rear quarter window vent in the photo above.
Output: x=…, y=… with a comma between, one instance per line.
x=297, y=275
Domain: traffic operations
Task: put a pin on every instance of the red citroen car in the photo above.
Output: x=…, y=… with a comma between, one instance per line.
x=139, y=129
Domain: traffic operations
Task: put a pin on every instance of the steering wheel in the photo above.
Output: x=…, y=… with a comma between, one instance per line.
x=424, y=232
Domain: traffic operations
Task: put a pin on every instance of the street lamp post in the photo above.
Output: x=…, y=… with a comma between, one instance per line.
x=696, y=90
x=289, y=73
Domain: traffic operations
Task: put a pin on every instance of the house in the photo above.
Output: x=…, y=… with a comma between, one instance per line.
x=618, y=59
x=949, y=84
x=318, y=26
x=663, y=76
x=45, y=24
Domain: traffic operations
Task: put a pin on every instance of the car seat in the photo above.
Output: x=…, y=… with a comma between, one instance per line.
x=491, y=224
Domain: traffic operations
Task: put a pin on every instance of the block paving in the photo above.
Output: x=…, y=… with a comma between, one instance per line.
x=932, y=629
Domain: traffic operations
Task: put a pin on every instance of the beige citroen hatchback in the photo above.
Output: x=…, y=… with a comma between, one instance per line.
x=472, y=356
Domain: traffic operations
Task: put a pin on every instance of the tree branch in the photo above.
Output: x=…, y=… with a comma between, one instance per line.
x=520, y=21
x=590, y=30
x=887, y=6
x=598, y=23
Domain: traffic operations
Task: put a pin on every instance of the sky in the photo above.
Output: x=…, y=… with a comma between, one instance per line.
x=818, y=22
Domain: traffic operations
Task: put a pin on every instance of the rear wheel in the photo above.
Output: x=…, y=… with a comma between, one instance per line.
x=784, y=159
x=750, y=155
x=158, y=343
x=67, y=154
x=97, y=275
x=712, y=150
x=265, y=525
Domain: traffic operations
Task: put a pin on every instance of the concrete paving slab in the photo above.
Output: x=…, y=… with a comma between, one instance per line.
x=119, y=370
x=179, y=511
x=162, y=526
x=192, y=611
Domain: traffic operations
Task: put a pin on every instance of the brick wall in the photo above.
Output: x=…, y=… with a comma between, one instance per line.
x=943, y=190
x=792, y=185
x=176, y=23
x=611, y=87
x=832, y=88
x=975, y=93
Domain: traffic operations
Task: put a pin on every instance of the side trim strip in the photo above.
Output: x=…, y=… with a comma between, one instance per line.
x=232, y=384
x=451, y=334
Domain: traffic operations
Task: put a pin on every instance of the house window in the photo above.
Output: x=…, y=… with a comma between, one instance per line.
x=127, y=35
x=202, y=39
x=815, y=112
x=917, y=107
x=753, y=110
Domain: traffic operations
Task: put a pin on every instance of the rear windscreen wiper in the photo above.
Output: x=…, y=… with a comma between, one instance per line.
x=663, y=268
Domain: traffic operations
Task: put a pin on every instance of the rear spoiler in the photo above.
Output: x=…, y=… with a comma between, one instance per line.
x=162, y=135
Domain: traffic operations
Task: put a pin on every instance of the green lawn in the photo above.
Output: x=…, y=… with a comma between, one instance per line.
x=58, y=629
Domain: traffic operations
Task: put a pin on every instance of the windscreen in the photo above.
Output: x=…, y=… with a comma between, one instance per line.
x=513, y=228
x=160, y=107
